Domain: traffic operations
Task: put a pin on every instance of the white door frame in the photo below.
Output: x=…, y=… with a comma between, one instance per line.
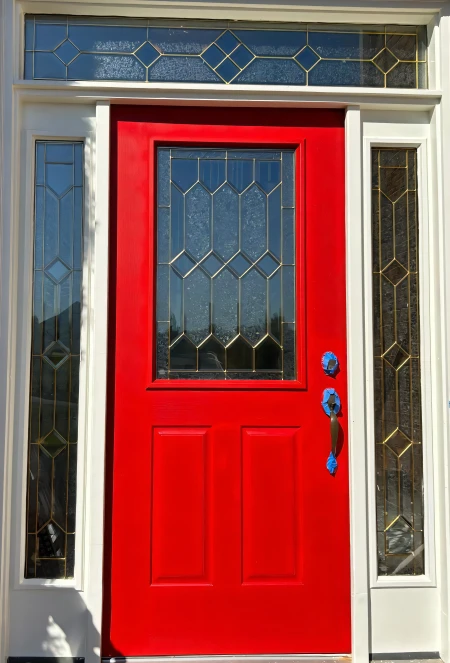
x=358, y=103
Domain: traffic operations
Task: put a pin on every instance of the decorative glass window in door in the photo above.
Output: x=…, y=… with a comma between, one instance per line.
x=226, y=264
x=397, y=389
x=55, y=360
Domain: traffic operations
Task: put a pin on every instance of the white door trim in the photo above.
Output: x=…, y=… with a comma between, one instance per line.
x=429, y=385
x=356, y=385
x=97, y=311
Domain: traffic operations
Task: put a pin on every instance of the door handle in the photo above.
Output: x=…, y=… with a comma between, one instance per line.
x=334, y=424
x=331, y=404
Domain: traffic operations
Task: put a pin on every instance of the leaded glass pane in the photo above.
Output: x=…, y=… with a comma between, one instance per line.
x=225, y=295
x=398, y=430
x=55, y=361
x=112, y=49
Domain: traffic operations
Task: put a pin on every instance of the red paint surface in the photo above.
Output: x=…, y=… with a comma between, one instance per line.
x=225, y=532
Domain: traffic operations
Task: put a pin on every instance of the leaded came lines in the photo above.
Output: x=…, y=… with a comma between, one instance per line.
x=83, y=48
x=398, y=421
x=55, y=361
x=226, y=264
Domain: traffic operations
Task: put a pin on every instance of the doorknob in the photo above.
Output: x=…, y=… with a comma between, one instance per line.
x=331, y=404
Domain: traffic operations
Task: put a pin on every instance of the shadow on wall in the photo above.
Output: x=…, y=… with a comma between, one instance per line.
x=64, y=629
x=56, y=644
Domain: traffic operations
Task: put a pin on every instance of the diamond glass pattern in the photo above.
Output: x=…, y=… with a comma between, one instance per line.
x=67, y=52
x=395, y=272
x=212, y=264
x=55, y=360
x=227, y=70
x=396, y=329
x=56, y=354
x=242, y=56
x=396, y=356
x=240, y=264
x=57, y=270
x=147, y=54
x=184, y=264
x=268, y=264
x=213, y=56
x=53, y=444
x=84, y=48
x=227, y=42
x=307, y=58
x=220, y=310
x=385, y=60
x=398, y=443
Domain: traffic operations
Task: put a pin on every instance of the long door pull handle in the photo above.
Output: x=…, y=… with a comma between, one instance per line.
x=334, y=430
x=331, y=405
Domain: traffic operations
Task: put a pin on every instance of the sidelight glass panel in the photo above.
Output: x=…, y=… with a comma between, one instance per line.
x=225, y=292
x=105, y=49
x=55, y=360
x=396, y=328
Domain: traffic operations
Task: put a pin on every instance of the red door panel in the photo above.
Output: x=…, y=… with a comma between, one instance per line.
x=227, y=534
x=179, y=537
x=271, y=509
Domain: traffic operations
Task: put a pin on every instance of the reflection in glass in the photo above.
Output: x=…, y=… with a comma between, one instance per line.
x=398, y=427
x=83, y=48
x=55, y=361
x=225, y=294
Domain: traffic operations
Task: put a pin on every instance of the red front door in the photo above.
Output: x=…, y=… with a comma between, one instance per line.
x=228, y=534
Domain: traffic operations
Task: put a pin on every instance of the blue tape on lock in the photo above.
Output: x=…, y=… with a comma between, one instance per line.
x=330, y=363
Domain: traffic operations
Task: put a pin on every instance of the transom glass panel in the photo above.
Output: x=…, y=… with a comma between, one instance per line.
x=81, y=48
x=225, y=264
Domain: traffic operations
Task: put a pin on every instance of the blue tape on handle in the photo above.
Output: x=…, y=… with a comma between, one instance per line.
x=332, y=463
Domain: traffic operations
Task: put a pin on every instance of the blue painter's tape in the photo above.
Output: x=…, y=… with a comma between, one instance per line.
x=330, y=363
x=332, y=463
x=326, y=395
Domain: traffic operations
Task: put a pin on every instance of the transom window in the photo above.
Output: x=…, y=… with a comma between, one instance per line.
x=106, y=49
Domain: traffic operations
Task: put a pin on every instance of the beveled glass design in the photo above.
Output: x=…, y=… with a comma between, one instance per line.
x=113, y=49
x=55, y=360
x=396, y=330
x=225, y=301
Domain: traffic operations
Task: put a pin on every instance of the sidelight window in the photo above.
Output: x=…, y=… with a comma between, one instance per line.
x=55, y=360
x=397, y=384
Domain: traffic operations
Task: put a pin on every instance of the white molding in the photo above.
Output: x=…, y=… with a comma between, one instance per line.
x=441, y=136
x=428, y=383
x=392, y=11
x=8, y=202
x=433, y=54
x=98, y=324
x=356, y=387
x=235, y=95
